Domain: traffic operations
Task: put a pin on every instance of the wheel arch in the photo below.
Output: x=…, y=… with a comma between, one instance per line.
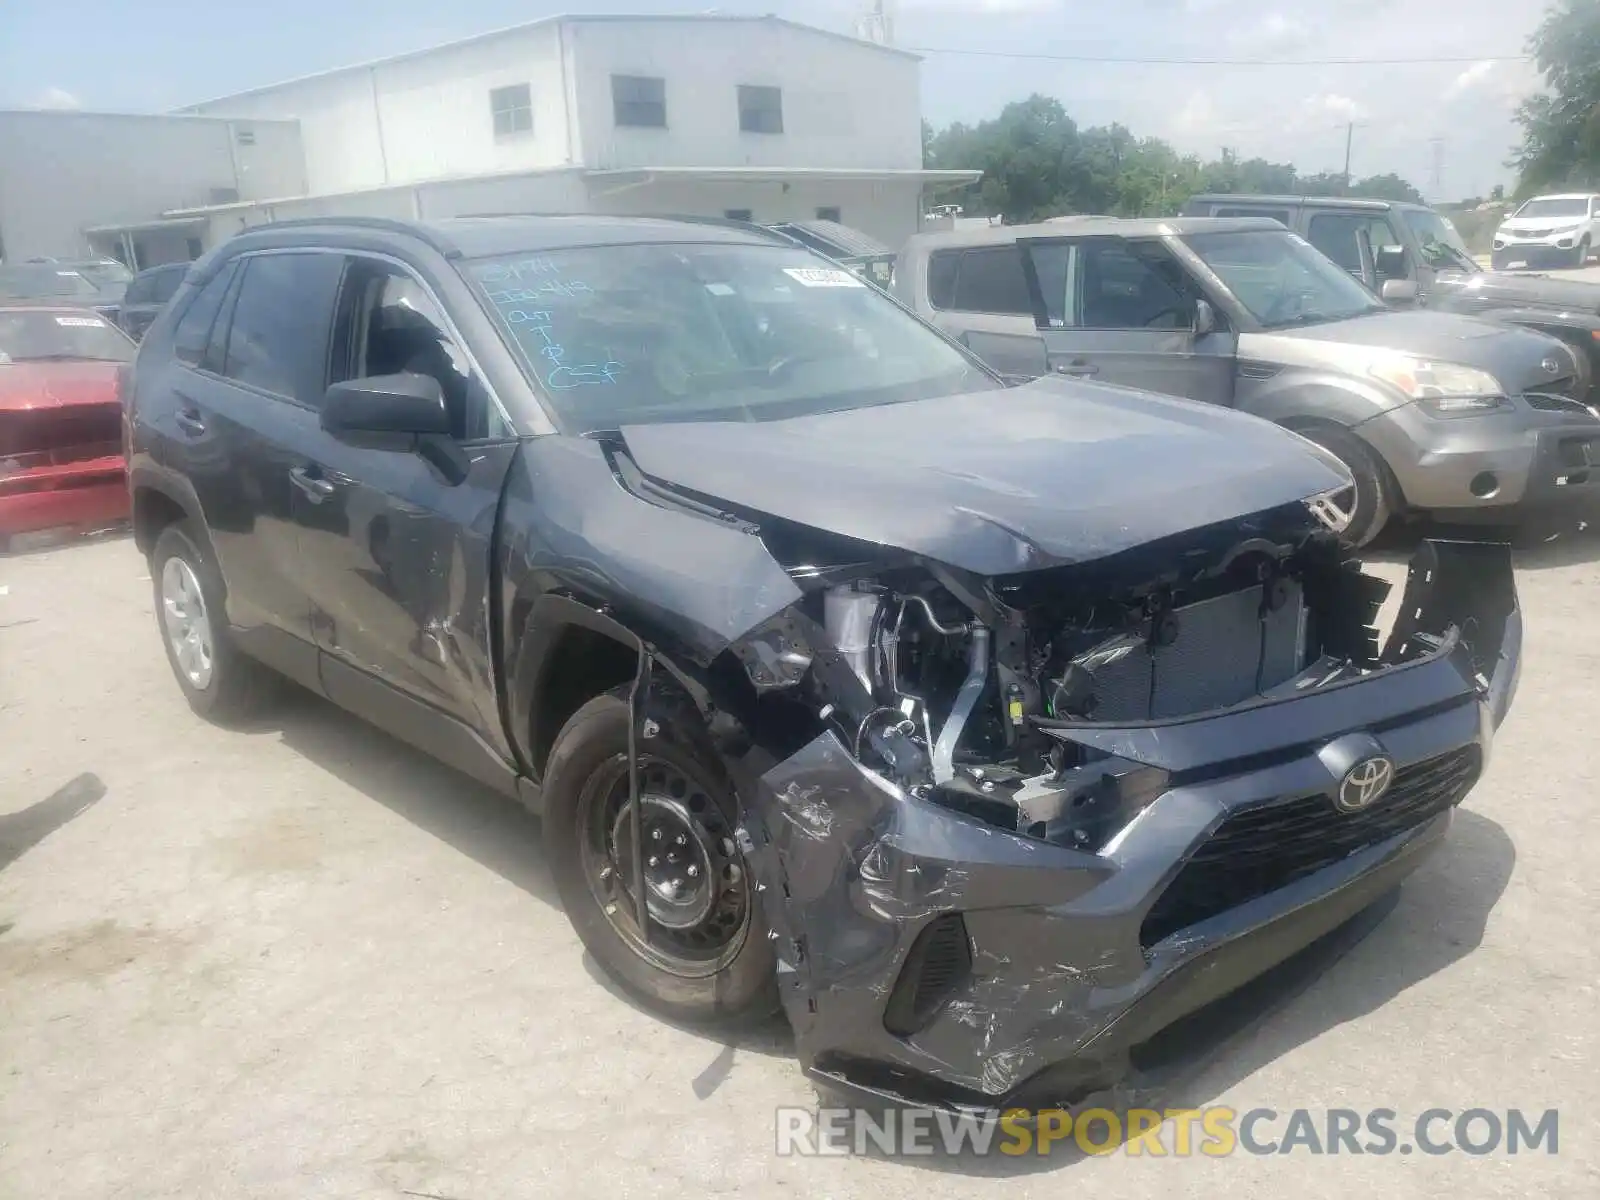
x=568, y=652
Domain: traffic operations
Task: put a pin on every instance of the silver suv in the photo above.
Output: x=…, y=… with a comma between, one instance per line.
x=1431, y=412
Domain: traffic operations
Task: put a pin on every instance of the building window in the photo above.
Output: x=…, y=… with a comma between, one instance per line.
x=512, y=108
x=829, y=212
x=760, y=109
x=738, y=214
x=639, y=101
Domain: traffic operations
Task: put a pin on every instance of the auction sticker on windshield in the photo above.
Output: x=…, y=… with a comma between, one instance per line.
x=822, y=277
x=80, y=322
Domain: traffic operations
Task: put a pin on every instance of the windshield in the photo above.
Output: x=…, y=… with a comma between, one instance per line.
x=638, y=334
x=32, y=282
x=1281, y=279
x=1441, y=245
x=27, y=336
x=1555, y=206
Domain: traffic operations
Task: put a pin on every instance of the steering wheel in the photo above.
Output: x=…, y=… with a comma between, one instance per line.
x=1172, y=311
x=1276, y=313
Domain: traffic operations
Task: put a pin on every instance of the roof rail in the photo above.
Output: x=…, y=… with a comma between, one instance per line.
x=414, y=229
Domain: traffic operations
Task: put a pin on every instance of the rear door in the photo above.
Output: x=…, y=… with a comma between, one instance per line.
x=245, y=412
x=979, y=296
x=1123, y=312
x=395, y=544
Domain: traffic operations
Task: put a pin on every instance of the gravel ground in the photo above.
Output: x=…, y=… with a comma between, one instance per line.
x=301, y=960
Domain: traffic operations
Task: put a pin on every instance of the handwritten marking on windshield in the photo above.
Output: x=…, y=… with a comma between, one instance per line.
x=560, y=375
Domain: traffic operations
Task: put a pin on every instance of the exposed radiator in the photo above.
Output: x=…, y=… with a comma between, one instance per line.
x=1226, y=651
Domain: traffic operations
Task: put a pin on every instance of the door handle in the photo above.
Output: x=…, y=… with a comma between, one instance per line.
x=1077, y=366
x=317, y=488
x=189, y=420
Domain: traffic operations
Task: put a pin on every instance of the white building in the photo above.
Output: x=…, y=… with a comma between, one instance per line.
x=76, y=183
x=709, y=115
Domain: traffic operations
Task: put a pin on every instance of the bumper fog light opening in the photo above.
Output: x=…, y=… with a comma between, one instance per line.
x=1484, y=485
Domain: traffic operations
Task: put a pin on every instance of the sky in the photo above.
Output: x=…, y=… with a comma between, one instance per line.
x=150, y=57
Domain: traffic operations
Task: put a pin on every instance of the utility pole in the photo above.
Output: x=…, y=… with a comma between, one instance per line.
x=1436, y=185
x=1349, y=135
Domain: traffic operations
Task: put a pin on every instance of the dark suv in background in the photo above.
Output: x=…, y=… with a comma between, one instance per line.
x=844, y=676
x=147, y=294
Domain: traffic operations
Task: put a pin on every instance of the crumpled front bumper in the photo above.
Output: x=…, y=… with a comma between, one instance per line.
x=1048, y=963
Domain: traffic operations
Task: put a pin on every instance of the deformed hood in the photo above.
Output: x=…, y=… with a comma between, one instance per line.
x=1000, y=481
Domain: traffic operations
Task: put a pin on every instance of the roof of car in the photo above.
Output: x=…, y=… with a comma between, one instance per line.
x=519, y=233
x=1563, y=196
x=1286, y=201
x=1091, y=226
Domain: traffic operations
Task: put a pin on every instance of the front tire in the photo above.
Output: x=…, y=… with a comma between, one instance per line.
x=218, y=681
x=1581, y=254
x=706, y=957
x=1371, y=502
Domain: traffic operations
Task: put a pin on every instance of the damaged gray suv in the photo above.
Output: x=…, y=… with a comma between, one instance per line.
x=1432, y=412
x=986, y=730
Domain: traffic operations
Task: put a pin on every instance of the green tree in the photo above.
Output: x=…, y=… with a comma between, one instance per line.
x=1561, y=129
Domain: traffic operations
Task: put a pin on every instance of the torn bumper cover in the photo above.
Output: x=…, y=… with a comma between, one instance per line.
x=927, y=957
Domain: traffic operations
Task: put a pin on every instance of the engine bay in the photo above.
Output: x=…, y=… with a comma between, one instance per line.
x=965, y=692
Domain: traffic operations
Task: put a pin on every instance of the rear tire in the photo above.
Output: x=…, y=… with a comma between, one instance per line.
x=219, y=682
x=1373, y=500
x=717, y=967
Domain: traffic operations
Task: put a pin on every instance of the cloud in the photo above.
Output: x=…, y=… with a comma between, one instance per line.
x=1331, y=104
x=985, y=6
x=1273, y=33
x=1197, y=116
x=1472, y=77
x=56, y=97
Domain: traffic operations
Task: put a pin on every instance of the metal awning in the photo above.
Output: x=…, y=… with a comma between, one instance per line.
x=174, y=224
x=630, y=177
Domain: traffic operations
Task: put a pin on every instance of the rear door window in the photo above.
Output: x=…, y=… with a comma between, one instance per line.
x=986, y=279
x=278, y=337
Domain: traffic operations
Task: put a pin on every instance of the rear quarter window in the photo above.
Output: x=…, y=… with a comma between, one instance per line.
x=984, y=279
x=1280, y=215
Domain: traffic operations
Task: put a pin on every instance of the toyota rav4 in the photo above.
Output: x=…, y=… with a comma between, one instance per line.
x=987, y=730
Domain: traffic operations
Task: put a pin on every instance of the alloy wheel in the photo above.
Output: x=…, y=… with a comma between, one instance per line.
x=187, y=624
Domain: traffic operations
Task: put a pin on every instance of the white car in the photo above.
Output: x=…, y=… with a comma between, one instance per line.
x=1558, y=230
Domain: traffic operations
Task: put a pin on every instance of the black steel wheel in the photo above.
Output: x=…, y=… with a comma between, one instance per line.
x=702, y=953
x=697, y=887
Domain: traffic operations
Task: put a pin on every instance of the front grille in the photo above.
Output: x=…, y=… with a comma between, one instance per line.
x=1259, y=850
x=938, y=965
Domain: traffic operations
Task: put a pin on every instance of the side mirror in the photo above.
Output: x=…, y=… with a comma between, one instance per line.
x=1205, y=318
x=1400, y=291
x=406, y=405
x=1390, y=261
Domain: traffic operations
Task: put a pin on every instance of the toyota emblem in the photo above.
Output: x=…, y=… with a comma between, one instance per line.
x=1551, y=366
x=1364, y=784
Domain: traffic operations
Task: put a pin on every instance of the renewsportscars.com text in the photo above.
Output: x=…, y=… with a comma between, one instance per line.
x=1214, y=1132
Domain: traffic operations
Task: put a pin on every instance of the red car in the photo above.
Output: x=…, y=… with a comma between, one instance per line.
x=61, y=455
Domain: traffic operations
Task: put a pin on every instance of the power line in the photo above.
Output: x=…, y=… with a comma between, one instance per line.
x=1114, y=60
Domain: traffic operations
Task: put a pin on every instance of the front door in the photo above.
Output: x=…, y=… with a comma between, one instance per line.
x=395, y=545
x=1123, y=312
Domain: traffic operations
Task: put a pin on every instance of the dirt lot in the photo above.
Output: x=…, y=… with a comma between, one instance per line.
x=300, y=960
